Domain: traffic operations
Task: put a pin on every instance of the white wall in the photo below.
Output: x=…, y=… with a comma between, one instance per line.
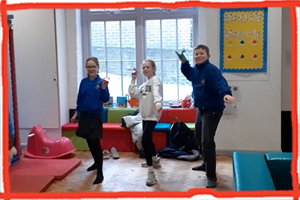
x=256, y=127
x=74, y=50
x=47, y=47
x=36, y=71
x=60, y=24
x=286, y=61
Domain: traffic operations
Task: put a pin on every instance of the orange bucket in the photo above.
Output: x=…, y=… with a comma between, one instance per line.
x=133, y=102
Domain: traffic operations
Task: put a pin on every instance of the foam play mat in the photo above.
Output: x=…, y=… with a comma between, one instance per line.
x=35, y=175
x=30, y=183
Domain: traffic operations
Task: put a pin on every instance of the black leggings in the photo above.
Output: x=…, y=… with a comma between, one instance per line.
x=96, y=151
x=148, y=145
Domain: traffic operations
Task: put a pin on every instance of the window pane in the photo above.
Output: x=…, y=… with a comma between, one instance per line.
x=158, y=72
x=97, y=40
x=114, y=44
x=115, y=83
x=169, y=42
x=127, y=70
x=185, y=41
x=170, y=80
x=153, y=41
x=185, y=37
x=113, y=40
x=102, y=69
x=128, y=40
x=162, y=40
x=185, y=86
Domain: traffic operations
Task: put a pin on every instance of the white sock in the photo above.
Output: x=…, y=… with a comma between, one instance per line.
x=150, y=169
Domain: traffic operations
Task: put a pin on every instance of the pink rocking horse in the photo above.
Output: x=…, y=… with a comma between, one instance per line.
x=40, y=146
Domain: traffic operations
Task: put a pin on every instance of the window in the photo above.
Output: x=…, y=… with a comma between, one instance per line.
x=122, y=38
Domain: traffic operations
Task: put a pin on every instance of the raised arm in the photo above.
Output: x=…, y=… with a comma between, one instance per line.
x=186, y=70
x=133, y=91
x=185, y=65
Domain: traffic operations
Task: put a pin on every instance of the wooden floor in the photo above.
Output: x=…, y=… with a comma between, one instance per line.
x=126, y=174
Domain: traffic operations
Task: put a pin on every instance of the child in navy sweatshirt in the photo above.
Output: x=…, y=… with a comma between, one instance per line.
x=210, y=90
x=93, y=91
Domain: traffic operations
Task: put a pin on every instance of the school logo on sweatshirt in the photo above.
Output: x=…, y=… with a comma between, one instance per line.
x=97, y=87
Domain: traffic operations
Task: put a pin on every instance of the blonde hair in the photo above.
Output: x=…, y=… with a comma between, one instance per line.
x=152, y=63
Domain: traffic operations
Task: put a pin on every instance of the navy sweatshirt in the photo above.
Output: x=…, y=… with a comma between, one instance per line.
x=209, y=86
x=91, y=96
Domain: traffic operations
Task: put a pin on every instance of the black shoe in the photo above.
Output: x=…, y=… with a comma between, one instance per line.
x=199, y=168
x=91, y=168
x=98, y=179
x=142, y=154
x=211, y=183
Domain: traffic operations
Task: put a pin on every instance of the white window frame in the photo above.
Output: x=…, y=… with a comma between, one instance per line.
x=140, y=15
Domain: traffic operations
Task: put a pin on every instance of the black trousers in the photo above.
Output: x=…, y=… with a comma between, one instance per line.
x=96, y=151
x=147, y=142
x=205, y=130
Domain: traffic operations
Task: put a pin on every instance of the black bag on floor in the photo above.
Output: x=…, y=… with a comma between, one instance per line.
x=181, y=136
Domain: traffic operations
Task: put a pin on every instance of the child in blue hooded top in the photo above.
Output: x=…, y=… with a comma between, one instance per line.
x=210, y=91
x=93, y=91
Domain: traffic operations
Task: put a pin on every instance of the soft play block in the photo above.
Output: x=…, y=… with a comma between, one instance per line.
x=164, y=116
x=69, y=131
x=78, y=142
x=185, y=115
x=113, y=136
x=159, y=139
x=69, y=127
x=116, y=136
x=191, y=126
x=250, y=172
x=280, y=168
x=104, y=115
x=163, y=127
x=114, y=115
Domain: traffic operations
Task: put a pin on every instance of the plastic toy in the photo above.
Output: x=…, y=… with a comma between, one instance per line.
x=181, y=56
x=40, y=146
x=133, y=102
x=187, y=102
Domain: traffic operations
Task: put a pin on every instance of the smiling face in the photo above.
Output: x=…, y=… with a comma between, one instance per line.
x=92, y=68
x=148, y=68
x=200, y=55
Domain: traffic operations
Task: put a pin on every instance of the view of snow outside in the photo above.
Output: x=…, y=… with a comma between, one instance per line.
x=169, y=90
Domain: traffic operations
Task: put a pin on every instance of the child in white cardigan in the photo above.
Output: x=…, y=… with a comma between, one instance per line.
x=150, y=106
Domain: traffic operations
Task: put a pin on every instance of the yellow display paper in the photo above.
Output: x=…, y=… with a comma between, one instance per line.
x=243, y=40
